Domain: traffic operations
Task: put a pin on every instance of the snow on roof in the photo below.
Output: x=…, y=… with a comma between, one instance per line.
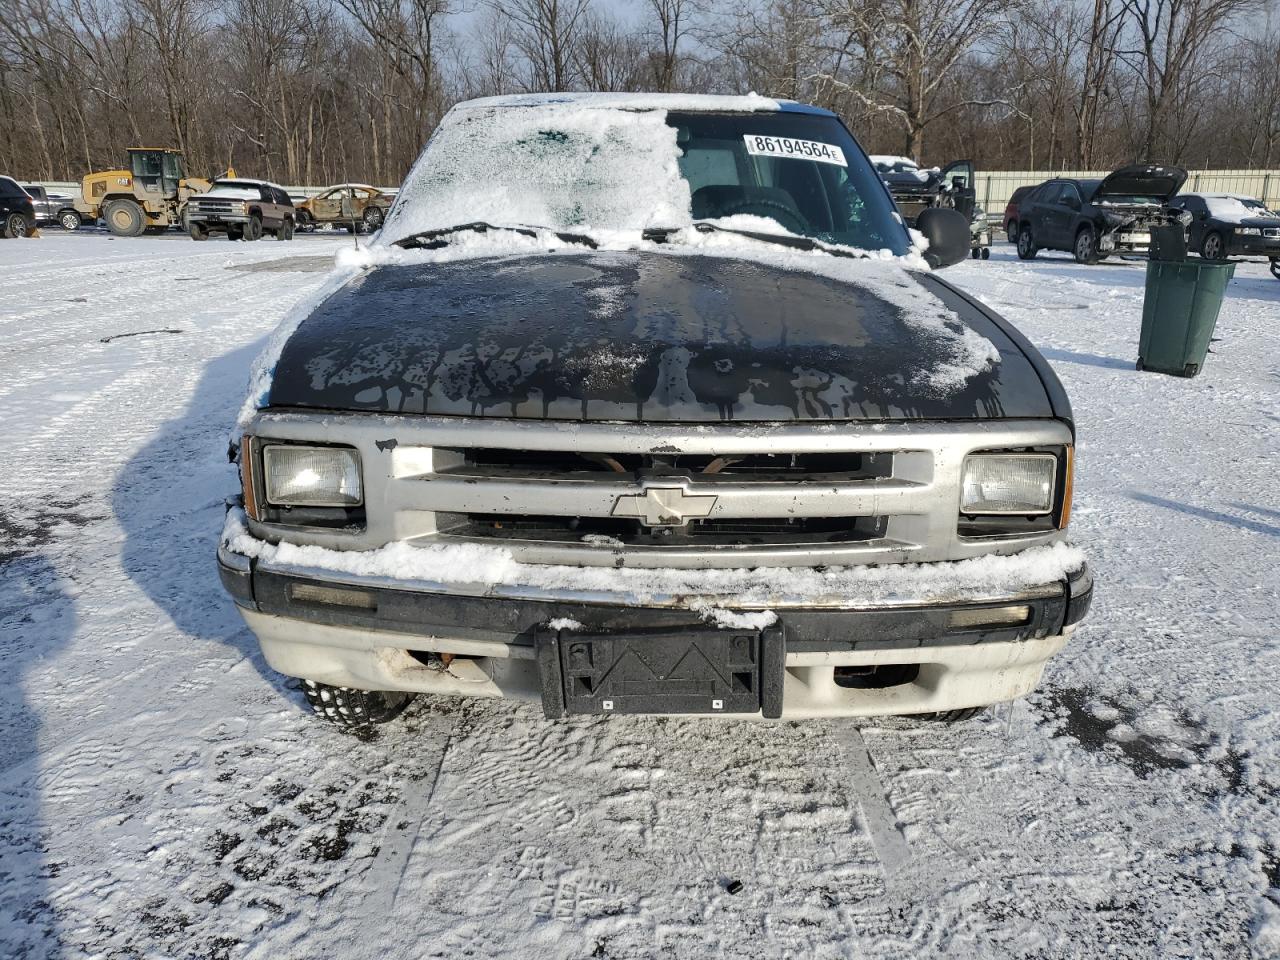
x=247, y=180
x=687, y=102
x=891, y=160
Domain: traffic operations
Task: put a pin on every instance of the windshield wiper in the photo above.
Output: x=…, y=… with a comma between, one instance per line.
x=435, y=239
x=664, y=234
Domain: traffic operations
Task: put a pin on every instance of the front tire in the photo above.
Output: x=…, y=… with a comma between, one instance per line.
x=125, y=218
x=198, y=231
x=986, y=253
x=1086, y=248
x=15, y=226
x=372, y=218
x=253, y=229
x=285, y=230
x=69, y=220
x=355, y=709
x=1027, y=248
x=1212, y=247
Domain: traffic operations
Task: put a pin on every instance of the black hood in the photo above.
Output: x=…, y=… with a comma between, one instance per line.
x=1142, y=180
x=647, y=337
x=905, y=182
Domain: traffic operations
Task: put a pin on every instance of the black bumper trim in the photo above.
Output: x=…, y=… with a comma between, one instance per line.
x=510, y=621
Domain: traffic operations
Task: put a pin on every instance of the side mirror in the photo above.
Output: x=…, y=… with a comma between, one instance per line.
x=948, y=234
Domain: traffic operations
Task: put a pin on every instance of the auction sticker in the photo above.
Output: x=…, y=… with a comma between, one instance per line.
x=763, y=146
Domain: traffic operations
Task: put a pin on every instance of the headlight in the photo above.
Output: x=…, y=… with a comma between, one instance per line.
x=1013, y=483
x=1249, y=231
x=298, y=476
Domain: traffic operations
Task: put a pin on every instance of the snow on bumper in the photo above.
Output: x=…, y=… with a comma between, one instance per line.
x=962, y=634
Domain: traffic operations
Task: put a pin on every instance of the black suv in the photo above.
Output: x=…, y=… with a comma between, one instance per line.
x=17, y=212
x=1094, y=218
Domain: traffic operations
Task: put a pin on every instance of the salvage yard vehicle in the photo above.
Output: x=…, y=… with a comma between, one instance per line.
x=151, y=195
x=17, y=211
x=1092, y=219
x=242, y=209
x=353, y=205
x=53, y=208
x=1230, y=225
x=648, y=404
x=915, y=190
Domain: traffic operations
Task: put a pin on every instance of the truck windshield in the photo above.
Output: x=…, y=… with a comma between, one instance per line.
x=582, y=169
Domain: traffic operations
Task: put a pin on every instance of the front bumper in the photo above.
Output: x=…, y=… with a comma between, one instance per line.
x=214, y=219
x=1255, y=246
x=372, y=633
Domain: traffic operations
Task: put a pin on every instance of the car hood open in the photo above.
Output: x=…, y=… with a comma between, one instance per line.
x=645, y=336
x=1142, y=180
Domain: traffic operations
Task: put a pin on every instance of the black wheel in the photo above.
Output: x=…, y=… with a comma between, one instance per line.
x=372, y=218
x=986, y=253
x=1275, y=269
x=69, y=220
x=1086, y=249
x=235, y=233
x=1027, y=248
x=348, y=707
x=253, y=229
x=975, y=253
x=125, y=218
x=1212, y=247
x=952, y=716
x=198, y=231
x=285, y=231
x=15, y=226
x=1011, y=231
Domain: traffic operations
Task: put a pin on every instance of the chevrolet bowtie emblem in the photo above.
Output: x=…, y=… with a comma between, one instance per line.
x=663, y=506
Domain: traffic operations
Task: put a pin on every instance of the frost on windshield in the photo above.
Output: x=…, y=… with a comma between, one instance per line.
x=545, y=165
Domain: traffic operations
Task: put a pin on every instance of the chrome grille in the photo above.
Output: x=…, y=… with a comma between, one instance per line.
x=211, y=205
x=745, y=495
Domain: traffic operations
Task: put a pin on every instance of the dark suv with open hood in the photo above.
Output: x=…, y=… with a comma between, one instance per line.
x=648, y=404
x=1092, y=219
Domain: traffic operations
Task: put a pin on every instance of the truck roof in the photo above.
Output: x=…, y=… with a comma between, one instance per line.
x=680, y=102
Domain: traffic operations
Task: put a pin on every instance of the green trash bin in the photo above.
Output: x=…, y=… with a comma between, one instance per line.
x=1179, y=313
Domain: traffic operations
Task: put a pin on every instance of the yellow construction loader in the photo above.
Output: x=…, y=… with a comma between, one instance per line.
x=151, y=195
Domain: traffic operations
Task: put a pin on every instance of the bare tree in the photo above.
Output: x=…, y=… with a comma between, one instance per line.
x=546, y=33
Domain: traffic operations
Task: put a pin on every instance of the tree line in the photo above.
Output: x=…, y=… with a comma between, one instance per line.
x=319, y=91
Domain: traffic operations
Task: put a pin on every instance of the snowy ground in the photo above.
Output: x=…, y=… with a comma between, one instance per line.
x=164, y=795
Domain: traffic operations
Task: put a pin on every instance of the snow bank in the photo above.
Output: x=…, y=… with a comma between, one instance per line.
x=706, y=591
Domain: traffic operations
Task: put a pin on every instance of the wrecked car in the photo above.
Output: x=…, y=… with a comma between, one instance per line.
x=915, y=189
x=1092, y=219
x=648, y=404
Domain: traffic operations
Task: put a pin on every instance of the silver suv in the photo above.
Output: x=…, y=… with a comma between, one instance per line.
x=649, y=405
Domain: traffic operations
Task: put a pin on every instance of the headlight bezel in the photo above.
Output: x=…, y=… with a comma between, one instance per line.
x=996, y=526
x=336, y=500
x=349, y=517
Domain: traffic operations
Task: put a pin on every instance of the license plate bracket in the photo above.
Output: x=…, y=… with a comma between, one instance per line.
x=687, y=671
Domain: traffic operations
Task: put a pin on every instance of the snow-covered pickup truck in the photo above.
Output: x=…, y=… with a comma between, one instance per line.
x=651, y=404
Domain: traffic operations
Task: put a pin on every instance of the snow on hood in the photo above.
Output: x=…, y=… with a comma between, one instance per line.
x=489, y=569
